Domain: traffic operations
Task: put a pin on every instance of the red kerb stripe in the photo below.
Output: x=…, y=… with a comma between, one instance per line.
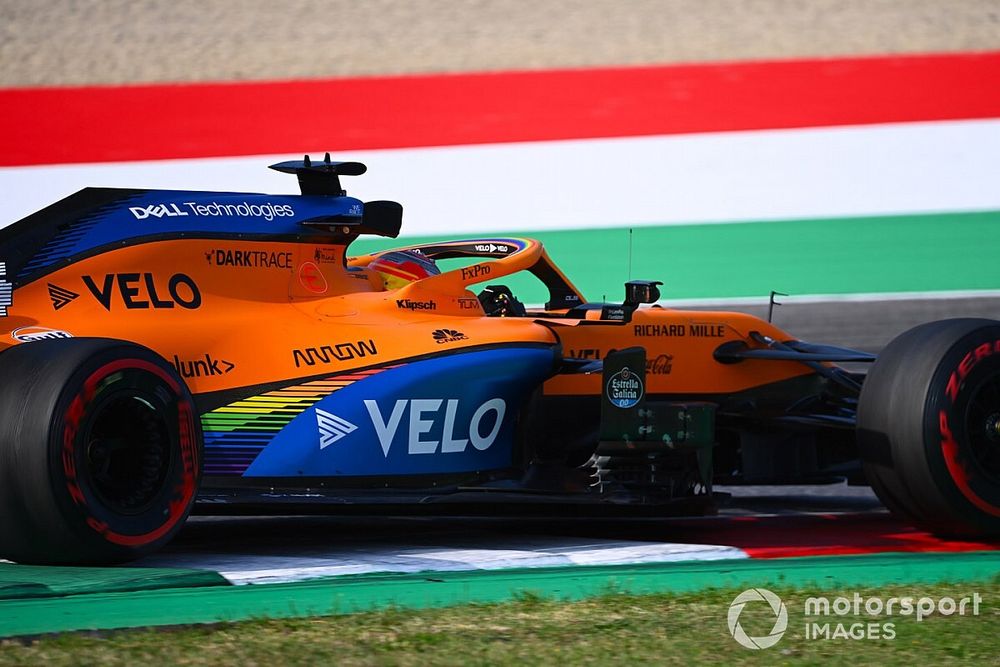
x=63, y=125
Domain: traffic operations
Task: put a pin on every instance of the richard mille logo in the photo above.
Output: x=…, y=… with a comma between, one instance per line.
x=331, y=428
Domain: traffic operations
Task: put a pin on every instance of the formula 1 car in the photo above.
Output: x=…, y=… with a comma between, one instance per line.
x=163, y=351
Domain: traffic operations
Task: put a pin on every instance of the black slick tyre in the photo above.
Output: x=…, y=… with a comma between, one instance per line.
x=100, y=452
x=929, y=426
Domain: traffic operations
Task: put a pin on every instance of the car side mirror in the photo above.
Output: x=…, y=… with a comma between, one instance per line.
x=641, y=291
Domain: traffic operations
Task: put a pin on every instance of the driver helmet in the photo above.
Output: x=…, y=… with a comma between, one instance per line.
x=401, y=267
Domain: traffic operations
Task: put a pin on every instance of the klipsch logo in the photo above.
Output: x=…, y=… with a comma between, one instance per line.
x=624, y=389
x=407, y=304
x=6, y=291
x=331, y=428
x=448, y=336
x=60, y=296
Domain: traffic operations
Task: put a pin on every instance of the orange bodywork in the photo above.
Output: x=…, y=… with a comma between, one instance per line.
x=299, y=313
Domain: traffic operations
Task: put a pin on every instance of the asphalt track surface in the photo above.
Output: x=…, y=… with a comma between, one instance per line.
x=73, y=42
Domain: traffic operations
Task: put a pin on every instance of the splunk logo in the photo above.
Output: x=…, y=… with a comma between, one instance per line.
x=427, y=415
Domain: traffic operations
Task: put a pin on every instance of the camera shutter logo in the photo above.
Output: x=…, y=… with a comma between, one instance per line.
x=780, y=622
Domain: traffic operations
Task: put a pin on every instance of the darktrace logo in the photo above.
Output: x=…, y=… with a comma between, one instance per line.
x=407, y=304
x=206, y=367
x=6, y=291
x=448, y=336
x=250, y=259
x=60, y=296
x=624, y=388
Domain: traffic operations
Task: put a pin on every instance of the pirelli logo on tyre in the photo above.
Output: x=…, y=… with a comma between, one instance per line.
x=6, y=291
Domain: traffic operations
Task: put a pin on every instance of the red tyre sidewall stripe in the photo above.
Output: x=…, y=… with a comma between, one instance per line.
x=183, y=492
x=950, y=449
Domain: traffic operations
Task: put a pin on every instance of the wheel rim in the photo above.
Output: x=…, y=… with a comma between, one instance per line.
x=127, y=452
x=982, y=422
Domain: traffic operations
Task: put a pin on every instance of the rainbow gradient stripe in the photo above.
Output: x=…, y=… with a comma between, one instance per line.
x=236, y=433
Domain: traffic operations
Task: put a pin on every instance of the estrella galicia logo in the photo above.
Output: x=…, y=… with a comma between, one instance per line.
x=331, y=428
x=6, y=291
x=60, y=296
x=448, y=336
x=624, y=388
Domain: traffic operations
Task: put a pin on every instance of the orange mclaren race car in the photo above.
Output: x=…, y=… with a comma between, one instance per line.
x=163, y=351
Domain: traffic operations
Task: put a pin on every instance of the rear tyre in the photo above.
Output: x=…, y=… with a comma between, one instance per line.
x=100, y=452
x=929, y=426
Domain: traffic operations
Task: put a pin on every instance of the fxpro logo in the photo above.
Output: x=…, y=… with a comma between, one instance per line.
x=434, y=414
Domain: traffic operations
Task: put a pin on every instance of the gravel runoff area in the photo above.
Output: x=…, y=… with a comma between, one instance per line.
x=75, y=42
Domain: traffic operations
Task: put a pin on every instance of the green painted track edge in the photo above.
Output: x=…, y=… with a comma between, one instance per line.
x=36, y=581
x=347, y=594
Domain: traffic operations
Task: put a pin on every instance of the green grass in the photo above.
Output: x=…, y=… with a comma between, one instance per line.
x=614, y=629
x=907, y=253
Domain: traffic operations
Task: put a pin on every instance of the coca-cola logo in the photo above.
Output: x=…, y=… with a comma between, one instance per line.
x=661, y=365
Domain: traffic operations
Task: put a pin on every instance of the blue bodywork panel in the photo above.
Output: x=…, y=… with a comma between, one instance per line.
x=447, y=414
x=176, y=212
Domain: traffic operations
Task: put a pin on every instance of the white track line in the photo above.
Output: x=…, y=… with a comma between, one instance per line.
x=679, y=179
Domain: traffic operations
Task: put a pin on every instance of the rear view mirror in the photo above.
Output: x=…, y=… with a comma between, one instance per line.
x=641, y=291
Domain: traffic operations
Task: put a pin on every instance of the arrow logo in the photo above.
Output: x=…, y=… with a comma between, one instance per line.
x=331, y=428
x=61, y=296
x=6, y=291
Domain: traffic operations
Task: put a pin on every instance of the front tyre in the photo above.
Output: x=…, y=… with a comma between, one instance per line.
x=929, y=426
x=100, y=452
